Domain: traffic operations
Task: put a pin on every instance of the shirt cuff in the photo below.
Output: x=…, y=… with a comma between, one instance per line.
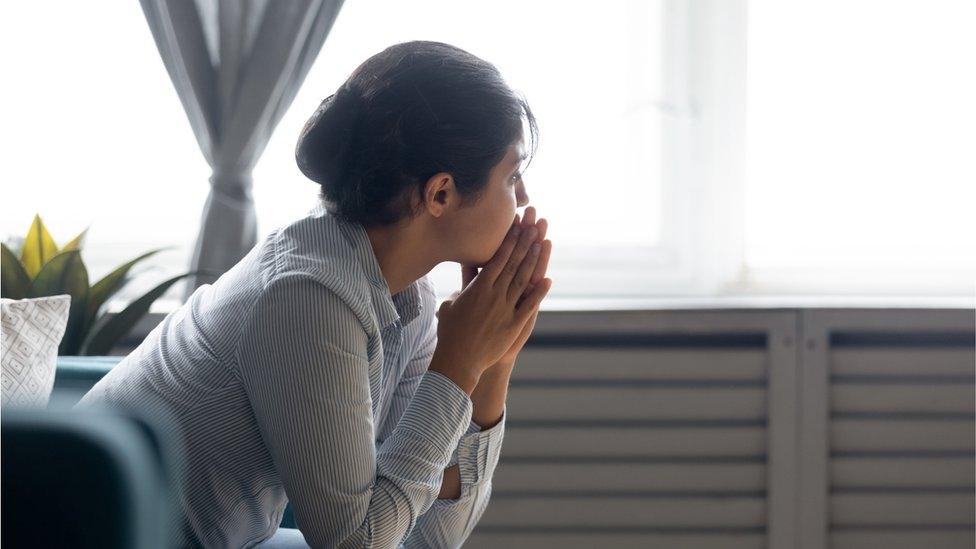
x=437, y=413
x=478, y=452
x=472, y=428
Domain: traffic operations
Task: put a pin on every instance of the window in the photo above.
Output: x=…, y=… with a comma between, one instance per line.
x=95, y=135
x=861, y=139
x=686, y=148
x=593, y=80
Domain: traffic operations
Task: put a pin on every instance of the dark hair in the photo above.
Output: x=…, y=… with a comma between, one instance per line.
x=410, y=111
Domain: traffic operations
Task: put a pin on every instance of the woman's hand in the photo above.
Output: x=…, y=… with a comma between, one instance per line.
x=481, y=324
x=468, y=273
x=508, y=359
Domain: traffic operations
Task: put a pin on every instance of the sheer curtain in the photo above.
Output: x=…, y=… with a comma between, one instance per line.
x=236, y=66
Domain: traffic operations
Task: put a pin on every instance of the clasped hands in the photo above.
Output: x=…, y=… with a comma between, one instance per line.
x=469, y=272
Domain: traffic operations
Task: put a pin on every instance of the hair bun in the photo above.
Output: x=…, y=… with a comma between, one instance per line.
x=325, y=140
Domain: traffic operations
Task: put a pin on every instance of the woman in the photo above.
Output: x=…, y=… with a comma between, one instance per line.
x=316, y=370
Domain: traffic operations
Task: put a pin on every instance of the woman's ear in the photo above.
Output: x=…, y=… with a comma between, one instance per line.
x=440, y=195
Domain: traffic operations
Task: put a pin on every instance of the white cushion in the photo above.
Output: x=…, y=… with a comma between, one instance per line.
x=31, y=331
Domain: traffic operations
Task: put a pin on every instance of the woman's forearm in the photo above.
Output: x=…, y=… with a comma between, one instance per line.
x=488, y=400
x=488, y=397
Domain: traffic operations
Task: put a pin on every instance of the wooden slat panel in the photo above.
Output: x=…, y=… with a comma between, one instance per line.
x=911, y=361
x=903, y=471
x=553, y=477
x=563, y=512
x=902, y=539
x=547, y=540
x=610, y=403
x=614, y=442
x=922, y=508
x=645, y=364
x=909, y=397
x=848, y=435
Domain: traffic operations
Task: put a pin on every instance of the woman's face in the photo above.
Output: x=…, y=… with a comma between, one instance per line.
x=483, y=225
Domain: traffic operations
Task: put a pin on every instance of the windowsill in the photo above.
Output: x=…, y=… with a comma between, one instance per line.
x=754, y=302
x=556, y=303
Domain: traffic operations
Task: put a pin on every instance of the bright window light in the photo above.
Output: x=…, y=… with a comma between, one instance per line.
x=862, y=143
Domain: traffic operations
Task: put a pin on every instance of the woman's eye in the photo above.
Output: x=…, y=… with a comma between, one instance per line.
x=516, y=177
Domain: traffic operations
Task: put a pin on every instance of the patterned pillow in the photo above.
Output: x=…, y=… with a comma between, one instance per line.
x=31, y=331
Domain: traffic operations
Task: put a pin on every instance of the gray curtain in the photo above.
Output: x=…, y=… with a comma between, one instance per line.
x=236, y=66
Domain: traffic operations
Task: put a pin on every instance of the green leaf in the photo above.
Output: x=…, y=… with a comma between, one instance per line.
x=16, y=282
x=38, y=247
x=105, y=288
x=102, y=338
x=65, y=273
x=58, y=275
x=77, y=241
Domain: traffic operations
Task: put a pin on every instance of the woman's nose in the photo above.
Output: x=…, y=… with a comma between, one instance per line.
x=521, y=195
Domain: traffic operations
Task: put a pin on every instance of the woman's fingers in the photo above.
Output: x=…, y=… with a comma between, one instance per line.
x=543, y=263
x=542, y=225
x=525, y=270
x=512, y=266
x=494, y=267
x=531, y=302
x=514, y=262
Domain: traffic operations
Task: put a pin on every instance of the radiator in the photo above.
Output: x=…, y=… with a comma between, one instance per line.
x=794, y=428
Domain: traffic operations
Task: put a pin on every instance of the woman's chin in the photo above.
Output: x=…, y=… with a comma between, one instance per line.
x=479, y=262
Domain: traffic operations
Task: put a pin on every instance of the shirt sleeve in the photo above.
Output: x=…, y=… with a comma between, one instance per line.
x=449, y=522
x=303, y=361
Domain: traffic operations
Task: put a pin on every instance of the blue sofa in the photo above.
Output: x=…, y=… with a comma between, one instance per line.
x=75, y=375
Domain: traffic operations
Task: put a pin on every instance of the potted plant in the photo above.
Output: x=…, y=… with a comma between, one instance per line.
x=41, y=268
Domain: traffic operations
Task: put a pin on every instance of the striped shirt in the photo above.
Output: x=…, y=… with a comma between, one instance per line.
x=297, y=377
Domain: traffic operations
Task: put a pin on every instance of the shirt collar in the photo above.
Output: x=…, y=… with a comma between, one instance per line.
x=405, y=305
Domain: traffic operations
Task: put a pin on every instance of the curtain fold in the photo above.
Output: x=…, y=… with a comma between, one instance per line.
x=236, y=66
